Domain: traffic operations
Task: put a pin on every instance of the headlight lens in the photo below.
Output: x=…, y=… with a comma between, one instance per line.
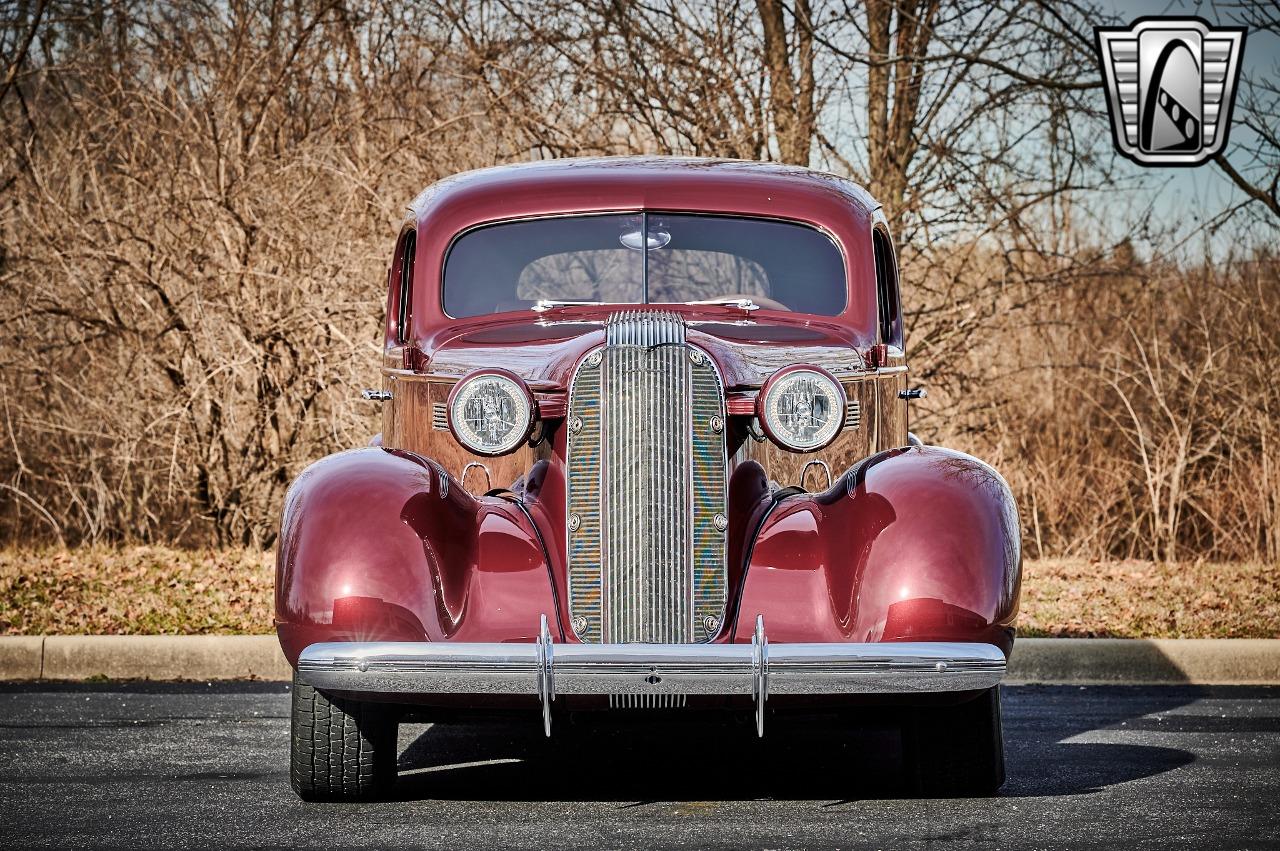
x=491, y=412
x=802, y=408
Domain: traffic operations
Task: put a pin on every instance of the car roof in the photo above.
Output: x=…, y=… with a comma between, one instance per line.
x=591, y=184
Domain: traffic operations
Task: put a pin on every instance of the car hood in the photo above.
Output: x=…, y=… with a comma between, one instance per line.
x=545, y=349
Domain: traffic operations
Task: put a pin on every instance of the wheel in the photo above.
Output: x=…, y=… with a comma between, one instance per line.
x=955, y=751
x=340, y=749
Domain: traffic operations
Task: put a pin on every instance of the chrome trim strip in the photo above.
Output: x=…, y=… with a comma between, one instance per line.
x=709, y=494
x=585, y=498
x=759, y=669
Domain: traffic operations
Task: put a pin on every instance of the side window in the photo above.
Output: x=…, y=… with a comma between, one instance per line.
x=890, y=310
x=405, y=295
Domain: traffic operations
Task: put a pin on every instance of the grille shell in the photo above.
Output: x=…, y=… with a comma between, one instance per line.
x=646, y=487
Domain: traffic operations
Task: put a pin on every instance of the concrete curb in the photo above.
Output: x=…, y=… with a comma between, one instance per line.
x=143, y=657
x=1196, y=661
x=21, y=657
x=1083, y=661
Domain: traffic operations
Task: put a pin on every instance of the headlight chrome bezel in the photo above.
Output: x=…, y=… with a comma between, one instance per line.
x=519, y=392
x=777, y=383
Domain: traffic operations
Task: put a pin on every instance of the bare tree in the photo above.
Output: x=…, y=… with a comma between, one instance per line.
x=195, y=235
x=1253, y=162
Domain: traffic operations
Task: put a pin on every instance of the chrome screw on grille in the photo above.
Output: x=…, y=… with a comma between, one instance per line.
x=580, y=624
x=721, y=522
x=711, y=624
x=717, y=424
x=575, y=424
x=574, y=522
x=593, y=359
x=695, y=356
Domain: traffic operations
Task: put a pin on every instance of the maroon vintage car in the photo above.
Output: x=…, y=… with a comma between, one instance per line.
x=645, y=448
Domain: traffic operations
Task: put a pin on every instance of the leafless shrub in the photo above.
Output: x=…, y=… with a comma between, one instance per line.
x=1137, y=418
x=195, y=235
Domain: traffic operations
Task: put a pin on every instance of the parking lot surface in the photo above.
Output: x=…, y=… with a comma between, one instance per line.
x=203, y=765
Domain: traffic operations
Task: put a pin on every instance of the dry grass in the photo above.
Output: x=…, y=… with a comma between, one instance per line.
x=1141, y=599
x=135, y=590
x=156, y=590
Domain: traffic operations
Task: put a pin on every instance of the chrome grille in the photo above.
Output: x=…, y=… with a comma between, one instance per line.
x=647, y=701
x=646, y=495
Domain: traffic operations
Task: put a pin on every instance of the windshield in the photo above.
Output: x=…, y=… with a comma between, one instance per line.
x=653, y=258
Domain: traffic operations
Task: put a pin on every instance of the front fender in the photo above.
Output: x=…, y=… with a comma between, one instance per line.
x=383, y=545
x=914, y=544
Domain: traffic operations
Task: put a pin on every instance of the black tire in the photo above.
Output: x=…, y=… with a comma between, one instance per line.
x=955, y=751
x=340, y=749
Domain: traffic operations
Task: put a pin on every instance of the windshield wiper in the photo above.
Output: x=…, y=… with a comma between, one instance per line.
x=545, y=304
x=740, y=303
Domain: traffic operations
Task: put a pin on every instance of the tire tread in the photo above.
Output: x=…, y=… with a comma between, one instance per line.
x=340, y=749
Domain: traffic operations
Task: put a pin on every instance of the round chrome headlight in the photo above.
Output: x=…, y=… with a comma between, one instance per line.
x=491, y=412
x=801, y=408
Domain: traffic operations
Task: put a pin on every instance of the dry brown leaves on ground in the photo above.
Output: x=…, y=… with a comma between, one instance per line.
x=135, y=590
x=1142, y=599
x=156, y=590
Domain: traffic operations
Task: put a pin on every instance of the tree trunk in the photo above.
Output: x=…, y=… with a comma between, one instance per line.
x=791, y=91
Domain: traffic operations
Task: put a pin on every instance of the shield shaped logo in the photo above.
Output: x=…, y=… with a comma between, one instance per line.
x=1171, y=85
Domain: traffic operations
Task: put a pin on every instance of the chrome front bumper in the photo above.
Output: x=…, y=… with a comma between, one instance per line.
x=755, y=669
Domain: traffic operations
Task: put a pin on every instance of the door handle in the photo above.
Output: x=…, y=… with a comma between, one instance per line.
x=913, y=393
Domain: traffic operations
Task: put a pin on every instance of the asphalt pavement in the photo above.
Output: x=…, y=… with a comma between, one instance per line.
x=196, y=765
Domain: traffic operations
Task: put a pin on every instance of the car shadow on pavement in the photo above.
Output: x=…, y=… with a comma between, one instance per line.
x=820, y=758
x=1043, y=724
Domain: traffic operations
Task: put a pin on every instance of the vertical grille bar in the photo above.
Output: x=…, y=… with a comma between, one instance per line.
x=646, y=560
x=647, y=701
